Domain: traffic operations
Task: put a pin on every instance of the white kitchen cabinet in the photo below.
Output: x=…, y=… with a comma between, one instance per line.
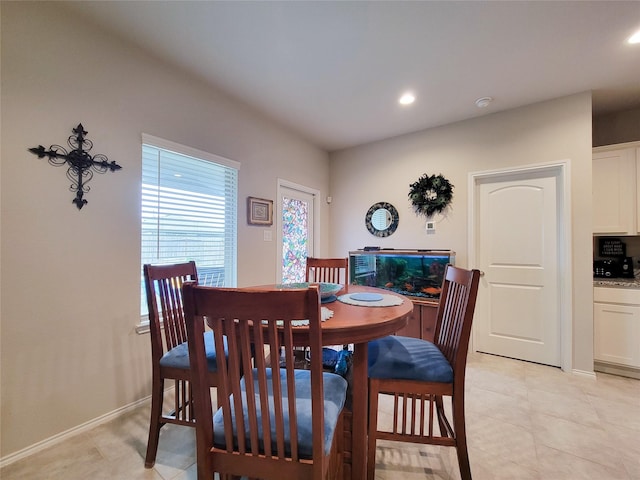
x=616, y=315
x=616, y=189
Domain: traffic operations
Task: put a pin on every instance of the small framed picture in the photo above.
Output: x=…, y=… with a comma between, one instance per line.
x=259, y=211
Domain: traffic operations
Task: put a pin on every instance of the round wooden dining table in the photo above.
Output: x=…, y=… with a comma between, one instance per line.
x=357, y=324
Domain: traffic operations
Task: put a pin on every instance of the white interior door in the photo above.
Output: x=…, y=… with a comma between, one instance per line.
x=518, y=249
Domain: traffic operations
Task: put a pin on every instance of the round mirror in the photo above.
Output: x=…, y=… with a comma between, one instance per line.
x=382, y=219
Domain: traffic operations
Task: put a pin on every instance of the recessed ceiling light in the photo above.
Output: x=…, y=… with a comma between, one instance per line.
x=635, y=38
x=483, y=102
x=407, y=98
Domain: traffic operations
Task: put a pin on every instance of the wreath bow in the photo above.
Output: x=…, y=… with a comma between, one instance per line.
x=430, y=194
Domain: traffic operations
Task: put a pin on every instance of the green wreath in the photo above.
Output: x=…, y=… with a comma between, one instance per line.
x=430, y=194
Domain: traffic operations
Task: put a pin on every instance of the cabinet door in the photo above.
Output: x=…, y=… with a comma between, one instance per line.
x=614, y=192
x=617, y=333
x=413, y=326
x=429, y=321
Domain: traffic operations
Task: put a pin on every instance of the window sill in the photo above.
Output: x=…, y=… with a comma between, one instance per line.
x=142, y=328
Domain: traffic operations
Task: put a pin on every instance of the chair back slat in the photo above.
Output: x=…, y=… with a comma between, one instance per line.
x=261, y=365
x=331, y=270
x=169, y=290
x=232, y=390
x=291, y=394
x=273, y=343
x=242, y=333
x=224, y=368
x=256, y=321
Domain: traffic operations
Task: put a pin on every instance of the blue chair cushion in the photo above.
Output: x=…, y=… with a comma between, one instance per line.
x=335, y=391
x=408, y=358
x=178, y=357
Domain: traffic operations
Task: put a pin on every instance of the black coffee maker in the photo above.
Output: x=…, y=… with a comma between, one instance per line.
x=626, y=267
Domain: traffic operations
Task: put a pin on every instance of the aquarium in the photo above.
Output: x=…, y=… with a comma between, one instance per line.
x=415, y=273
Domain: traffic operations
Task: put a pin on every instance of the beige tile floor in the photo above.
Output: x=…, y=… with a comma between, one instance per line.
x=524, y=421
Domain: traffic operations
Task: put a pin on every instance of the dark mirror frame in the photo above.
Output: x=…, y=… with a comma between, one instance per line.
x=395, y=218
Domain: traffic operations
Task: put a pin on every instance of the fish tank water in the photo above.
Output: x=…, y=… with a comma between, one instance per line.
x=415, y=273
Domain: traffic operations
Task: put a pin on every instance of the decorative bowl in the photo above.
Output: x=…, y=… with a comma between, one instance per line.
x=329, y=289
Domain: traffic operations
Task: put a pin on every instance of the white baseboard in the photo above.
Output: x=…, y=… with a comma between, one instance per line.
x=584, y=373
x=60, y=437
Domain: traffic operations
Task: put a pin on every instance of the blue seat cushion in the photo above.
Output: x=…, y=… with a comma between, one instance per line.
x=335, y=391
x=408, y=358
x=178, y=357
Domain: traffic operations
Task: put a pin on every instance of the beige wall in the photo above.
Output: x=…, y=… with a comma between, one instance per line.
x=616, y=127
x=536, y=134
x=71, y=279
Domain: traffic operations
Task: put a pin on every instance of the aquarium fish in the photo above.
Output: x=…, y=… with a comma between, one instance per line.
x=431, y=290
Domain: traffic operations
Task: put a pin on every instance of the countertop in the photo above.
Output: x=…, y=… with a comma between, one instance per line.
x=619, y=282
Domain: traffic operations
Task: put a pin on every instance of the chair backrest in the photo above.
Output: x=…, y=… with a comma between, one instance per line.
x=455, y=315
x=163, y=284
x=254, y=321
x=332, y=270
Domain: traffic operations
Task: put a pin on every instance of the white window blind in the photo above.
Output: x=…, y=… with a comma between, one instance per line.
x=189, y=211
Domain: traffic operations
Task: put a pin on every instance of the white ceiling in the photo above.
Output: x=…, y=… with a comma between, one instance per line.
x=332, y=71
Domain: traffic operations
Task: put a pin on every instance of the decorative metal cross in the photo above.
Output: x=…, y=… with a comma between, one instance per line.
x=80, y=162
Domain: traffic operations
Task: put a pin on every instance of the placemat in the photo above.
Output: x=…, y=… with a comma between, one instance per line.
x=387, y=301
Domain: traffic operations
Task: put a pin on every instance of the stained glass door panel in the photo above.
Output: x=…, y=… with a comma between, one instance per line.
x=297, y=228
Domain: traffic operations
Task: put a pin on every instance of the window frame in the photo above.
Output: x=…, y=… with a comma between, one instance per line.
x=176, y=148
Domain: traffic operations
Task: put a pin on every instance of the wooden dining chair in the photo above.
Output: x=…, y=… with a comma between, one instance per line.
x=331, y=270
x=275, y=421
x=169, y=352
x=418, y=374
